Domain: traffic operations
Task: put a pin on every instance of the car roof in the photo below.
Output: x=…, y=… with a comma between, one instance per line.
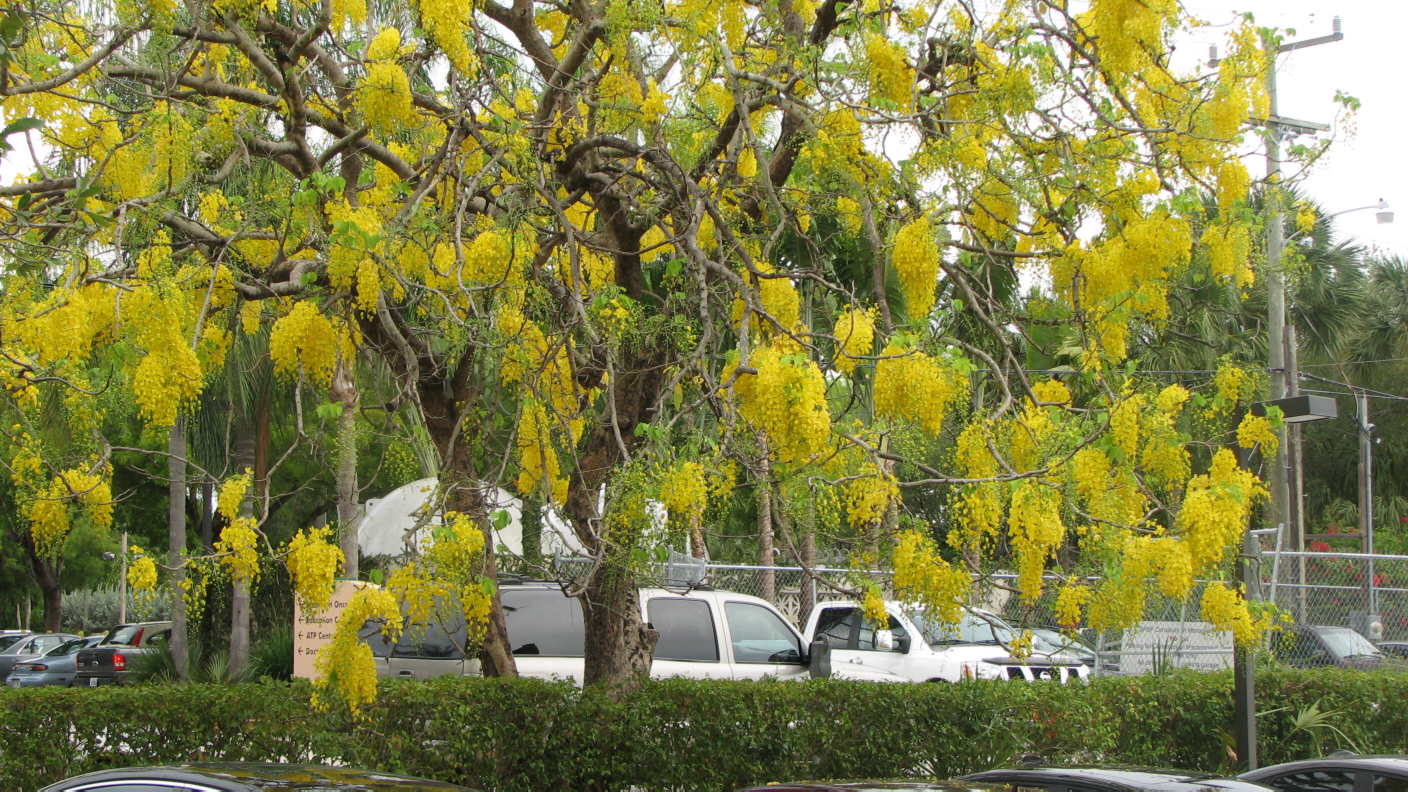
x=1128, y=778
x=265, y=777
x=1393, y=763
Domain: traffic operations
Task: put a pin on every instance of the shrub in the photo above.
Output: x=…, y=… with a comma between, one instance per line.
x=527, y=734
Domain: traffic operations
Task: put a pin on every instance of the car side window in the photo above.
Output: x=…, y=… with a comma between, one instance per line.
x=759, y=636
x=686, y=628
x=1384, y=783
x=543, y=622
x=429, y=641
x=159, y=639
x=866, y=640
x=1314, y=781
x=837, y=626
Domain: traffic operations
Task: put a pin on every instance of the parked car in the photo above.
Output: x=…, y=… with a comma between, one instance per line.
x=1341, y=772
x=923, y=649
x=704, y=634
x=877, y=786
x=110, y=661
x=8, y=637
x=29, y=647
x=1395, y=648
x=1108, y=779
x=57, y=667
x=247, y=777
x=1310, y=646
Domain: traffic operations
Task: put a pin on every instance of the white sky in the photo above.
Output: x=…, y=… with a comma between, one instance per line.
x=1368, y=159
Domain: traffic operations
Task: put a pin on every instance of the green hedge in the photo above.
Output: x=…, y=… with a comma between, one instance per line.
x=687, y=735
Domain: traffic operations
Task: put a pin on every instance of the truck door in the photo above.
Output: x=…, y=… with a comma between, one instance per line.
x=762, y=644
x=689, y=639
x=855, y=640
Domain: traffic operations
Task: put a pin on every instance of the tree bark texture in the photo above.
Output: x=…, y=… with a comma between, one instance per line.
x=176, y=545
x=349, y=510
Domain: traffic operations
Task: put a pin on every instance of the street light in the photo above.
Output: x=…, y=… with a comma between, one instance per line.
x=121, y=558
x=1295, y=410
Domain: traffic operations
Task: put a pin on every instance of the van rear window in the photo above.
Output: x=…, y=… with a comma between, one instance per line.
x=543, y=622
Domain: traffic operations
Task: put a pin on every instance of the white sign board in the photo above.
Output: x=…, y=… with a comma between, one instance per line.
x=312, y=632
x=1179, y=644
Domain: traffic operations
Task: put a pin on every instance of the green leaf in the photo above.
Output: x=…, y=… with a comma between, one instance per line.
x=376, y=576
x=499, y=519
x=329, y=411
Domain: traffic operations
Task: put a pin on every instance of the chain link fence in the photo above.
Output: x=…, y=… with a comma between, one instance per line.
x=1366, y=593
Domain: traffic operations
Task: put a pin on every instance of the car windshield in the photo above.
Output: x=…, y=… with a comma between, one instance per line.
x=123, y=635
x=7, y=640
x=67, y=648
x=1344, y=642
x=972, y=628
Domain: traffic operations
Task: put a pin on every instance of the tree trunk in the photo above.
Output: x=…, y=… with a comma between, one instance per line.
x=53, y=595
x=176, y=549
x=808, y=558
x=767, y=579
x=463, y=493
x=495, y=656
x=618, y=641
x=239, y=594
x=531, y=520
x=349, y=512
x=207, y=513
x=697, y=547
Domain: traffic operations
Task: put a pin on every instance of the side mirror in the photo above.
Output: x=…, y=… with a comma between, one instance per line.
x=884, y=640
x=819, y=660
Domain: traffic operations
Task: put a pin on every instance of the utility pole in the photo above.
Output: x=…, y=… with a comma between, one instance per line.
x=1283, y=381
x=1366, y=505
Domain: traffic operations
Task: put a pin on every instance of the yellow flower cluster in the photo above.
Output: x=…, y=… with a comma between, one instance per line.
x=1226, y=609
x=1232, y=385
x=538, y=470
x=304, y=342
x=51, y=516
x=1254, y=430
x=1035, y=532
x=141, y=575
x=447, y=21
x=916, y=261
x=1305, y=217
x=1124, y=424
x=313, y=562
x=1129, y=33
x=873, y=606
x=922, y=576
x=1229, y=249
x=868, y=496
x=913, y=386
x=239, y=550
x=1232, y=185
x=684, y=492
x=888, y=73
x=345, y=667
x=779, y=298
x=786, y=399
x=384, y=97
x=457, y=553
x=1216, y=507
x=233, y=493
x=1069, y=602
x=855, y=337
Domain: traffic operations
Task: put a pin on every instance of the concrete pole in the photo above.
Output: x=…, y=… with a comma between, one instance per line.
x=122, y=581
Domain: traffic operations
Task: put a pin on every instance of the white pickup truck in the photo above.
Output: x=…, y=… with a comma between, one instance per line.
x=921, y=649
x=704, y=634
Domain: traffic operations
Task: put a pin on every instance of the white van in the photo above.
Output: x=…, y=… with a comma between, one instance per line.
x=704, y=634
